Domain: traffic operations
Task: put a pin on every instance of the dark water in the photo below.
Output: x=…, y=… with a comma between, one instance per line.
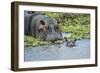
x=58, y=52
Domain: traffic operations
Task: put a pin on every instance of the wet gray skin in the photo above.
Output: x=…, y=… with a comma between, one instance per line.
x=41, y=26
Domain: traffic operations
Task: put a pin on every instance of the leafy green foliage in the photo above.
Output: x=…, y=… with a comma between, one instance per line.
x=30, y=41
x=75, y=23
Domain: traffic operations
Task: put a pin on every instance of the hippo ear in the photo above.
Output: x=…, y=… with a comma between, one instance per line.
x=65, y=38
x=75, y=40
x=42, y=22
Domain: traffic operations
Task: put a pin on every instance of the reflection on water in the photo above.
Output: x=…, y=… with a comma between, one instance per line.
x=58, y=52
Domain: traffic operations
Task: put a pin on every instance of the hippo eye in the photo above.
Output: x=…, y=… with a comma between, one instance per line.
x=56, y=28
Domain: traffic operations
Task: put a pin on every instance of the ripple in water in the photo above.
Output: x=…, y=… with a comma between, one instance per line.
x=58, y=52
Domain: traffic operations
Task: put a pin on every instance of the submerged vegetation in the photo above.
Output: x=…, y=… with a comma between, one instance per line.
x=75, y=23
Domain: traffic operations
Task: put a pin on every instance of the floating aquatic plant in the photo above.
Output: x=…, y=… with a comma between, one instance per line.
x=30, y=41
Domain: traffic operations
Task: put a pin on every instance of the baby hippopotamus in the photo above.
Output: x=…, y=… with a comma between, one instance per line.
x=41, y=26
x=71, y=43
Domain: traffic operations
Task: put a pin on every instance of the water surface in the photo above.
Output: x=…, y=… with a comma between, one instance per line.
x=58, y=52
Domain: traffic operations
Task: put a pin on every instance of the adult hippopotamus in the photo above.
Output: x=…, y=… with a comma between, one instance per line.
x=41, y=26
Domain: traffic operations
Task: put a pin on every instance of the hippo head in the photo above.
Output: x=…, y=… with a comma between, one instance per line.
x=70, y=43
x=47, y=29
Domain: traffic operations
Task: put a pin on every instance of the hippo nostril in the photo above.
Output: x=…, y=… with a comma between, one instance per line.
x=52, y=41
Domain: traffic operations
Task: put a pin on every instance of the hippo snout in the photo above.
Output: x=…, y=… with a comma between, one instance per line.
x=54, y=36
